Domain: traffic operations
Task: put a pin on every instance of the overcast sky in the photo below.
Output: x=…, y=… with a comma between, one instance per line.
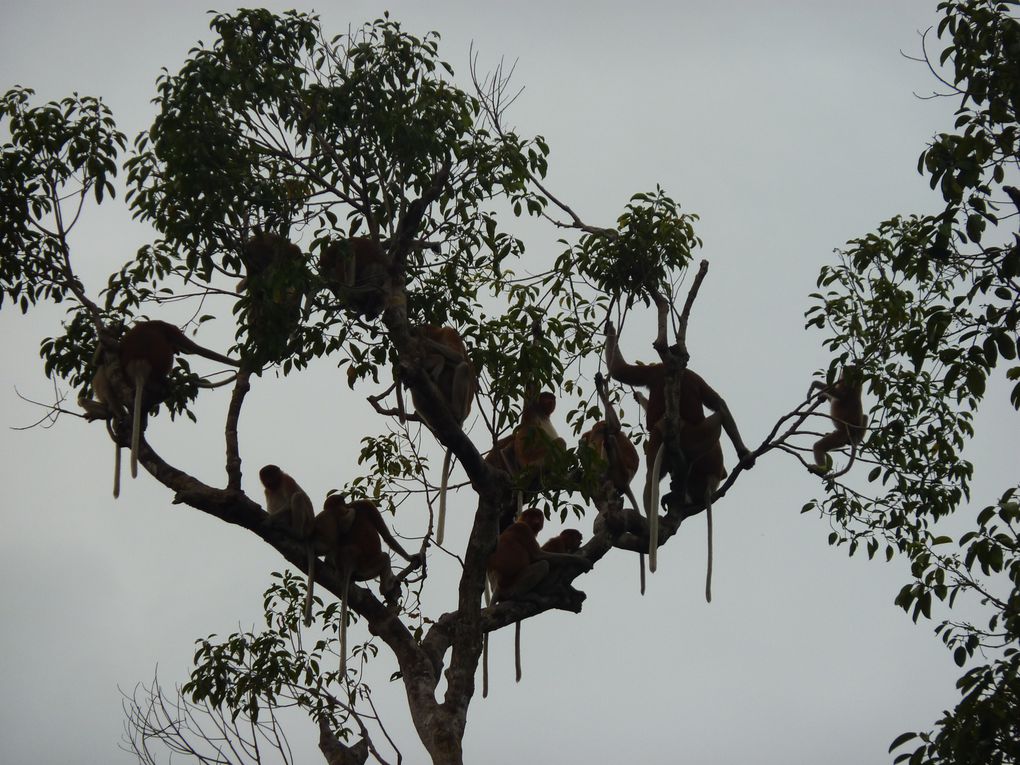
x=788, y=127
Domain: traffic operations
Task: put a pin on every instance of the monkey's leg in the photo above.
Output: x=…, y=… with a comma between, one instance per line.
x=462, y=390
x=824, y=445
x=527, y=580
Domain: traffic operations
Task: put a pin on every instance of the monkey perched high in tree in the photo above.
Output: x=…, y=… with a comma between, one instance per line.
x=698, y=437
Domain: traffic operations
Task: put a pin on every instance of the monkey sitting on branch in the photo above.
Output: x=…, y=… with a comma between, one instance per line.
x=359, y=272
x=518, y=565
x=350, y=535
x=143, y=359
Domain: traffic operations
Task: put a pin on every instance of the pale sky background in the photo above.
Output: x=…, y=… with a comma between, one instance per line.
x=789, y=127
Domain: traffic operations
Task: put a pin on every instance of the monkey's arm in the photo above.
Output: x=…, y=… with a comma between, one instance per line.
x=619, y=369
x=716, y=403
x=380, y=525
x=817, y=385
x=187, y=345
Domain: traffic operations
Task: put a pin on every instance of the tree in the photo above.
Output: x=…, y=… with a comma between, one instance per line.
x=179, y=246
x=928, y=306
x=275, y=130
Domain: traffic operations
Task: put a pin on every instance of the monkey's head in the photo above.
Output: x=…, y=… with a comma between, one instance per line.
x=271, y=477
x=571, y=539
x=546, y=403
x=336, y=504
x=534, y=519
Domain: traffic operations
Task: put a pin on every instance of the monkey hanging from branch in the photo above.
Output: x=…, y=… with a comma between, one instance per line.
x=846, y=410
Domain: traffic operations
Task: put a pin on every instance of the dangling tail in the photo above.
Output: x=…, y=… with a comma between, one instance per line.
x=136, y=426
x=443, y=483
x=708, y=574
x=485, y=665
x=116, y=470
x=517, y=650
x=311, y=585
x=343, y=627
x=653, y=511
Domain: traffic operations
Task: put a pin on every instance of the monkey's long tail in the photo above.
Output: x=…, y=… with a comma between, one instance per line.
x=641, y=556
x=136, y=425
x=517, y=650
x=311, y=586
x=485, y=665
x=653, y=511
x=116, y=470
x=343, y=627
x=443, y=484
x=708, y=573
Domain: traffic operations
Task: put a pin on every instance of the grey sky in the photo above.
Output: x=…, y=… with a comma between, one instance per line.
x=789, y=127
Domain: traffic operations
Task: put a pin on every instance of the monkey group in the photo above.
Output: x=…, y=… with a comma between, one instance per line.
x=359, y=272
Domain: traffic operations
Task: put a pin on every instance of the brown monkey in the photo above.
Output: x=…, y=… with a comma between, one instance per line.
x=531, y=445
x=699, y=436
x=847, y=414
x=621, y=470
x=146, y=356
x=621, y=467
x=447, y=363
x=273, y=273
x=290, y=507
x=359, y=273
x=348, y=534
x=567, y=541
x=516, y=567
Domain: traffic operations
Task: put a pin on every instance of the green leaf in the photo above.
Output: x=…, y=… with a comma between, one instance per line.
x=900, y=740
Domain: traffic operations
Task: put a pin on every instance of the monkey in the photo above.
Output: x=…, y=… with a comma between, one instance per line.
x=616, y=450
x=621, y=470
x=516, y=567
x=847, y=414
x=359, y=272
x=531, y=446
x=273, y=267
x=621, y=467
x=567, y=541
x=348, y=534
x=290, y=507
x=699, y=437
x=448, y=365
x=146, y=356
